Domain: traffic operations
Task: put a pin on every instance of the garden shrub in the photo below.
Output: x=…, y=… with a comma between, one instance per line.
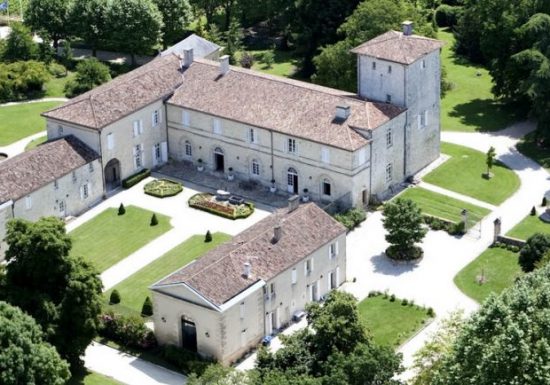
x=136, y=178
x=208, y=237
x=90, y=73
x=114, y=297
x=147, y=308
x=57, y=70
x=154, y=220
x=533, y=211
x=404, y=302
x=430, y=312
x=543, y=204
x=351, y=218
x=162, y=188
x=246, y=60
x=121, y=209
x=20, y=80
x=129, y=331
x=185, y=360
x=392, y=298
x=458, y=228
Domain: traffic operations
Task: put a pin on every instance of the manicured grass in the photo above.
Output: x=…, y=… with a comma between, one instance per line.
x=470, y=106
x=92, y=378
x=55, y=87
x=135, y=288
x=284, y=63
x=442, y=206
x=35, y=142
x=391, y=323
x=499, y=268
x=529, y=147
x=530, y=225
x=19, y=121
x=463, y=173
x=108, y=238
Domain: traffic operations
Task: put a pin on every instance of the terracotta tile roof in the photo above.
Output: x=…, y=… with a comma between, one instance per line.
x=27, y=172
x=218, y=275
x=399, y=48
x=123, y=95
x=284, y=105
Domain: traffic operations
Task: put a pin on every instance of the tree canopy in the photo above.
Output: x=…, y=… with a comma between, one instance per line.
x=507, y=341
x=176, y=16
x=19, y=44
x=62, y=292
x=49, y=17
x=533, y=251
x=90, y=21
x=90, y=73
x=24, y=357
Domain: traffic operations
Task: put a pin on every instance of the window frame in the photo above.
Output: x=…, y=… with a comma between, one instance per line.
x=389, y=138
x=255, y=167
x=389, y=172
x=291, y=146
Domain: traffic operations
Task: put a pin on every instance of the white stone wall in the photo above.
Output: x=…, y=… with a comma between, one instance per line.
x=377, y=83
x=6, y=213
x=124, y=141
x=46, y=200
x=57, y=129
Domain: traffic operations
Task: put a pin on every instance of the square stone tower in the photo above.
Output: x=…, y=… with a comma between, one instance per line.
x=405, y=70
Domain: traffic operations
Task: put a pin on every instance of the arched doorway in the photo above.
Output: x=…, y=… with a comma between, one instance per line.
x=219, y=162
x=112, y=174
x=188, y=334
x=292, y=180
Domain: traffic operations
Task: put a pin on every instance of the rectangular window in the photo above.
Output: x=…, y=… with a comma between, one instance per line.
x=62, y=206
x=186, y=118
x=325, y=155
x=374, y=65
x=157, y=151
x=388, y=98
x=90, y=167
x=155, y=118
x=252, y=135
x=55, y=185
x=74, y=177
x=217, y=126
x=294, y=276
x=309, y=266
x=423, y=119
x=389, y=138
x=137, y=157
x=333, y=249
x=110, y=141
x=423, y=64
x=255, y=168
x=188, y=149
x=85, y=191
x=389, y=69
x=291, y=146
x=327, y=188
x=272, y=290
x=28, y=202
x=389, y=172
x=242, y=310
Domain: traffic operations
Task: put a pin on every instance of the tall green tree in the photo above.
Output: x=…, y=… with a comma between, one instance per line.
x=49, y=18
x=233, y=39
x=25, y=358
x=208, y=7
x=136, y=26
x=533, y=251
x=176, y=16
x=62, y=292
x=506, y=341
x=19, y=44
x=404, y=225
x=490, y=159
x=90, y=21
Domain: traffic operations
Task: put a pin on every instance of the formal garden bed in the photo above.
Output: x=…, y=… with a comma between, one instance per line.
x=491, y=272
x=162, y=188
x=230, y=207
x=380, y=311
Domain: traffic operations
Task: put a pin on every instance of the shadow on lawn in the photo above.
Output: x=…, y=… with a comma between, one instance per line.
x=485, y=115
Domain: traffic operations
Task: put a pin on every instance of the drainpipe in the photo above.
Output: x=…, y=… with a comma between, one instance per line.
x=370, y=172
x=272, y=156
x=102, y=167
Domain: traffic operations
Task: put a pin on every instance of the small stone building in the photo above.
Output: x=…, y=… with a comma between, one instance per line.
x=224, y=303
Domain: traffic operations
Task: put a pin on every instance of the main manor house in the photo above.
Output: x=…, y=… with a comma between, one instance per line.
x=278, y=132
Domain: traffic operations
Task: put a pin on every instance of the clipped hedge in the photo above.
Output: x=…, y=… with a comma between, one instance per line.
x=129, y=331
x=162, y=188
x=351, y=218
x=136, y=178
x=202, y=201
x=452, y=228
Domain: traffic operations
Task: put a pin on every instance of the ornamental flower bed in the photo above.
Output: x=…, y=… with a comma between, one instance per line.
x=162, y=188
x=207, y=202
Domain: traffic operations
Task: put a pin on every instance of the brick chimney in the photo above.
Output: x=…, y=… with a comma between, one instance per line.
x=224, y=65
x=407, y=28
x=187, y=57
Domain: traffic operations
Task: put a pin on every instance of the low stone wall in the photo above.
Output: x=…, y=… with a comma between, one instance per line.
x=511, y=241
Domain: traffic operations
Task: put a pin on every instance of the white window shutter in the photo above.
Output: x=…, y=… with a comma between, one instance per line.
x=337, y=276
x=312, y=264
x=153, y=119
x=337, y=252
x=329, y=253
x=140, y=126
x=164, y=152
x=89, y=189
x=154, y=157
x=81, y=192
x=328, y=282
x=136, y=128
x=426, y=117
x=142, y=155
x=305, y=268
x=160, y=115
x=419, y=121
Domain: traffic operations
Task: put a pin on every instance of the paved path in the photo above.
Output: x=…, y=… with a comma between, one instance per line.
x=127, y=368
x=18, y=147
x=34, y=101
x=455, y=195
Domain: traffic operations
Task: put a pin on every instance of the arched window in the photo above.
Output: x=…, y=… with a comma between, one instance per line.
x=188, y=149
x=326, y=187
x=255, y=168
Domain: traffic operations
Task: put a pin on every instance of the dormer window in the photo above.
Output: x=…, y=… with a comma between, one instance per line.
x=374, y=66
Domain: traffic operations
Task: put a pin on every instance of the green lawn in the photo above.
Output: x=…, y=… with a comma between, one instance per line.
x=530, y=225
x=54, y=88
x=109, y=238
x=135, y=288
x=442, y=206
x=19, y=121
x=391, y=323
x=35, y=142
x=284, y=63
x=463, y=173
x=91, y=378
x=470, y=105
x=529, y=147
x=499, y=267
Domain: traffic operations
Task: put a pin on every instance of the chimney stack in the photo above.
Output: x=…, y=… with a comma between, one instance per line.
x=224, y=65
x=187, y=57
x=343, y=111
x=247, y=271
x=293, y=203
x=407, y=28
x=277, y=233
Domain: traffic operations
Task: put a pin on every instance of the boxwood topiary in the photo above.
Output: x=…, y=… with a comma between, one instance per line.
x=162, y=188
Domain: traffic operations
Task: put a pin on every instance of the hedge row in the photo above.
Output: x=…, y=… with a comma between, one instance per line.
x=212, y=209
x=127, y=330
x=453, y=228
x=351, y=218
x=136, y=178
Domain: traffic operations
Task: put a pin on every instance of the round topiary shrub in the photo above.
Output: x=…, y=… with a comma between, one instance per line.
x=147, y=308
x=114, y=298
x=163, y=188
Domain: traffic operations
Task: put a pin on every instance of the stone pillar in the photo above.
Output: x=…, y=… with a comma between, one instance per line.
x=497, y=222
